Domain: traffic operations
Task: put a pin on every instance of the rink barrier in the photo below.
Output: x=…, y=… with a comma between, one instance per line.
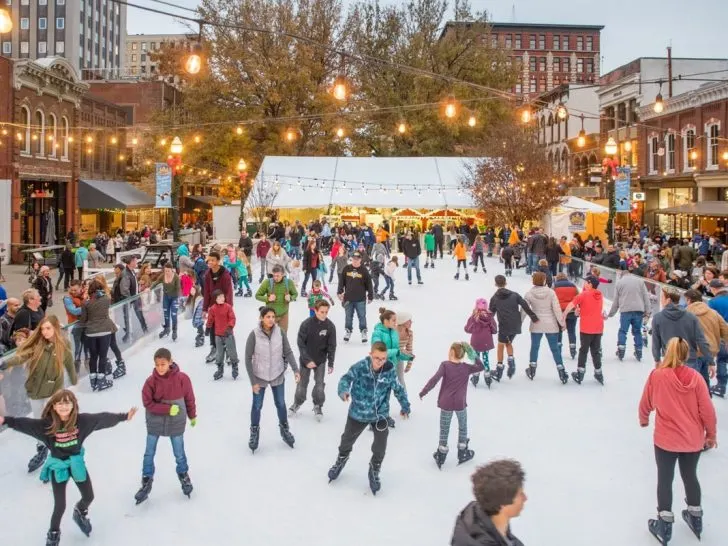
x=12, y=385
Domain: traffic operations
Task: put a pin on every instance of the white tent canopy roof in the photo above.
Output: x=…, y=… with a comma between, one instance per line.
x=572, y=203
x=317, y=182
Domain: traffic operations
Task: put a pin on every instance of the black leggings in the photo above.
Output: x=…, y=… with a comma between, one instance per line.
x=478, y=256
x=59, y=499
x=98, y=347
x=114, y=346
x=688, y=463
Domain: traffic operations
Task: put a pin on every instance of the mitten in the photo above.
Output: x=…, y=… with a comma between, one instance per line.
x=193, y=422
x=174, y=410
x=228, y=332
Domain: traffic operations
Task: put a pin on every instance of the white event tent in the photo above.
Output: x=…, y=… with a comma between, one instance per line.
x=387, y=182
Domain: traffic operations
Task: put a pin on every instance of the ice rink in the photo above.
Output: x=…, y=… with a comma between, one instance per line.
x=590, y=467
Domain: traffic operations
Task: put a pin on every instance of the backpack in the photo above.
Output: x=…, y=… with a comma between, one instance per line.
x=200, y=268
x=270, y=284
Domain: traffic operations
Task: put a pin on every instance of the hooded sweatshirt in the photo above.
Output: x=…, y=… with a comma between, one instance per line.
x=672, y=322
x=714, y=327
x=685, y=416
x=505, y=305
x=474, y=528
x=481, y=328
x=545, y=304
x=590, y=311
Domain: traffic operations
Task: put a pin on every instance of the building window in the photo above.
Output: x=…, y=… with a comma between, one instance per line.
x=509, y=41
x=689, y=148
x=542, y=64
x=712, y=132
x=589, y=43
x=7, y=48
x=42, y=23
x=565, y=43
x=654, y=156
x=24, y=23
x=557, y=64
x=60, y=23
x=590, y=66
x=519, y=88
x=41, y=133
x=63, y=3
x=24, y=47
x=144, y=46
x=143, y=57
x=542, y=41
x=532, y=64
x=52, y=132
x=133, y=57
x=532, y=41
x=60, y=47
x=670, y=152
x=579, y=66
x=42, y=2
x=580, y=43
x=518, y=41
x=532, y=85
x=565, y=64
x=25, y=114
x=557, y=42
x=542, y=83
x=134, y=46
x=42, y=48
x=494, y=40
x=24, y=2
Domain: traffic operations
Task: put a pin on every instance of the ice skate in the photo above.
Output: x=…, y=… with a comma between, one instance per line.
x=53, y=538
x=174, y=334
x=432, y=265
x=420, y=282
x=693, y=516
x=212, y=356
x=254, y=437
x=465, y=454
x=81, y=519
x=164, y=332
x=392, y=297
x=531, y=371
x=572, y=350
x=144, y=490
x=318, y=413
x=661, y=527
x=239, y=293
x=199, y=338
x=339, y=465
x=103, y=382
x=374, y=483
x=474, y=379
x=498, y=372
x=286, y=434
x=621, y=349
x=563, y=374
x=347, y=335
x=293, y=410
x=38, y=459
x=427, y=264
x=638, y=355
x=486, y=377
x=457, y=276
x=218, y=373
x=599, y=376
x=364, y=336
x=440, y=455
x=511, y=367
x=236, y=372
x=304, y=294
x=718, y=390
x=186, y=483
x=578, y=375
x=467, y=277
x=248, y=294
x=120, y=370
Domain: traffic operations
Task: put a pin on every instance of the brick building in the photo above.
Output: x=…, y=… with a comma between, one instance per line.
x=684, y=173
x=546, y=55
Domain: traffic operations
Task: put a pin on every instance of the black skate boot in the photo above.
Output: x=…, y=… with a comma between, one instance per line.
x=457, y=276
x=318, y=412
x=199, y=338
x=286, y=434
x=239, y=293
x=120, y=370
x=81, y=519
x=339, y=465
x=638, y=354
x=212, y=356
x=467, y=277
x=578, y=375
x=347, y=335
x=531, y=371
x=465, y=454
x=661, y=527
x=218, y=373
x=718, y=390
x=164, y=332
x=563, y=374
x=511, y=367
x=474, y=379
x=293, y=410
x=144, y=490
x=304, y=294
x=432, y=265
x=186, y=483
x=104, y=382
x=364, y=336
x=248, y=294
x=38, y=459
x=392, y=297
x=236, y=372
x=498, y=372
x=174, y=334
x=599, y=376
x=374, y=483
x=53, y=538
x=427, y=264
x=572, y=350
x=486, y=377
x=693, y=516
x=440, y=455
x=254, y=437
x=621, y=349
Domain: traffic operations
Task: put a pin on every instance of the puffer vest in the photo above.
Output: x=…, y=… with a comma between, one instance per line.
x=268, y=356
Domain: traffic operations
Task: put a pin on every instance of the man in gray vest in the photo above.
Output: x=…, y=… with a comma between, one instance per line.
x=633, y=301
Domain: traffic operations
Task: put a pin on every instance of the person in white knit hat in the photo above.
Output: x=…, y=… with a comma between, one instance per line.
x=406, y=339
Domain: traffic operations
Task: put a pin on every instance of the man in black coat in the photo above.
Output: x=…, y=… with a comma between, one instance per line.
x=316, y=347
x=246, y=244
x=439, y=238
x=611, y=258
x=29, y=314
x=412, y=249
x=66, y=267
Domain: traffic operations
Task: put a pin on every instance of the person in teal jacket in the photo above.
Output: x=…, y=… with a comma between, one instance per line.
x=386, y=332
x=367, y=385
x=239, y=270
x=80, y=256
x=430, y=249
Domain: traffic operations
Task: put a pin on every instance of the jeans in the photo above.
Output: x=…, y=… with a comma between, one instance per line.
x=413, y=262
x=295, y=252
x=571, y=319
x=553, y=341
x=390, y=285
x=263, y=269
x=178, y=448
x=170, y=305
x=438, y=246
x=361, y=312
x=532, y=262
x=312, y=274
x=688, y=463
x=700, y=365
x=223, y=345
x=633, y=319
x=554, y=268
x=353, y=430
x=722, y=365
x=478, y=256
x=79, y=347
x=279, y=394
x=318, y=395
x=137, y=306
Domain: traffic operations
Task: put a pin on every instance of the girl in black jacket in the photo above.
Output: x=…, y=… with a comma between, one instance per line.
x=63, y=430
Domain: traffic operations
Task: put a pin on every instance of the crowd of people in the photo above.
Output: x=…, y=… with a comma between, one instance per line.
x=688, y=344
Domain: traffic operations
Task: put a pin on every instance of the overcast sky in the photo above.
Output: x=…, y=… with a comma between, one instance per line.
x=633, y=28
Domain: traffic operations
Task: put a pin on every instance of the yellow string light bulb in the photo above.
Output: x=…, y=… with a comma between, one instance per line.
x=340, y=91
x=340, y=132
x=526, y=115
x=89, y=150
x=163, y=142
x=89, y=139
x=134, y=141
x=290, y=135
x=402, y=128
x=114, y=140
x=50, y=138
x=70, y=139
x=34, y=137
x=197, y=139
x=472, y=121
x=19, y=135
x=239, y=131
x=122, y=157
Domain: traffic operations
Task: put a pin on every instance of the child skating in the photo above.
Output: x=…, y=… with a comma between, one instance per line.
x=317, y=293
x=430, y=249
x=389, y=272
x=194, y=308
x=221, y=321
x=454, y=374
x=169, y=401
x=507, y=256
x=460, y=254
x=481, y=326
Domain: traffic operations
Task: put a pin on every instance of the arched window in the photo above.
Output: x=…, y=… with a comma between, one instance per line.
x=565, y=161
x=25, y=116
x=39, y=133
x=66, y=135
x=52, y=135
x=551, y=127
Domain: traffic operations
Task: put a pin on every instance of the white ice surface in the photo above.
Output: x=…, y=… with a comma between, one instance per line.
x=590, y=467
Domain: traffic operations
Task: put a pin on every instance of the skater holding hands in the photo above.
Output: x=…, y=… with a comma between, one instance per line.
x=221, y=321
x=454, y=374
x=169, y=401
x=62, y=430
x=481, y=326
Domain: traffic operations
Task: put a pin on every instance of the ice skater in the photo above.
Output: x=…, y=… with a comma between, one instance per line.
x=591, y=328
x=221, y=322
x=367, y=385
x=454, y=374
x=62, y=430
x=507, y=257
x=481, y=326
x=461, y=255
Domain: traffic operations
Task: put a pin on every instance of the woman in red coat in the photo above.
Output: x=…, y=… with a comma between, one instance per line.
x=685, y=425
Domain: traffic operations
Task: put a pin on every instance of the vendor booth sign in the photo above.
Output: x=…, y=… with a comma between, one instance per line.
x=577, y=222
x=622, y=189
x=163, y=176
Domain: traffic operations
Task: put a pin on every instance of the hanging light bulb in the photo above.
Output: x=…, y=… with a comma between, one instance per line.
x=340, y=132
x=472, y=122
x=628, y=146
x=659, y=105
x=581, y=140
x=114, y=140
x=163, y=142
x=6, y=22
x=19, y=135
x=290, y=135
x=694, y=155
x=610, y=148
x=340, y=89
x=34, y=137
x=402, y=127
x=561, y=111
x=134, y=141
x=193, y=63
x=5, y=132
x=239, y=130
x=70, y=139
x=89, y=139
x=122, y=157
x=89, y=150
x=526, y=115
x=451, y=108
x=49, y=138
x=197, y=139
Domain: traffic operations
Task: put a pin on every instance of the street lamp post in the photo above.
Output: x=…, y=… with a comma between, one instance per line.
x=609, y=170
x=243, y=175
x=175, y=162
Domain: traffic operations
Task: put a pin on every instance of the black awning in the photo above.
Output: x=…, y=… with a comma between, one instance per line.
x=111, y=194
x=208, y=200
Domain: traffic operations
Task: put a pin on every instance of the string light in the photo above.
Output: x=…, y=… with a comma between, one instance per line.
x=526, y=115
x=659, y=105
x=89, y=139
x=628, y=146
x=193, y=63
x=340, y=90
x=239, y=130
x=561, y=111
x=197, y=139
x=70, y=139
x=134, y=141
x=472, y=121
x=114, y=140
x=34, y=137
x=290, y=135
x=340, y=132
x=19, y=135
x=402, y=127
x=451, y=108
x=89, y=150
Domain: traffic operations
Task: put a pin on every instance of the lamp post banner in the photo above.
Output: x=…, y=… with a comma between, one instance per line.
x=622, y=186
x=163, y=177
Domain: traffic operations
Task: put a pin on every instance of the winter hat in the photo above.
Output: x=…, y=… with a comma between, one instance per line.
x=403, y=316
x=594, y=281
x=716, y=283
x=481, y=304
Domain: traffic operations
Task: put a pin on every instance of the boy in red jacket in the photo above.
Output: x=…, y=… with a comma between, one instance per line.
x=221, y=321
x=169, y=400
x=591, y=328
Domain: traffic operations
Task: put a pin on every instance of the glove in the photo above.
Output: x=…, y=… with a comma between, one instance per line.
x=228, y=332
x=208, y=331
x=174, y=410
x=193, y=422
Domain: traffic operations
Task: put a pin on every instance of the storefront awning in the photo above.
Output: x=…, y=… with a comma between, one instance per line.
x=704, y=208
x=208, y=200
x=111, y=194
